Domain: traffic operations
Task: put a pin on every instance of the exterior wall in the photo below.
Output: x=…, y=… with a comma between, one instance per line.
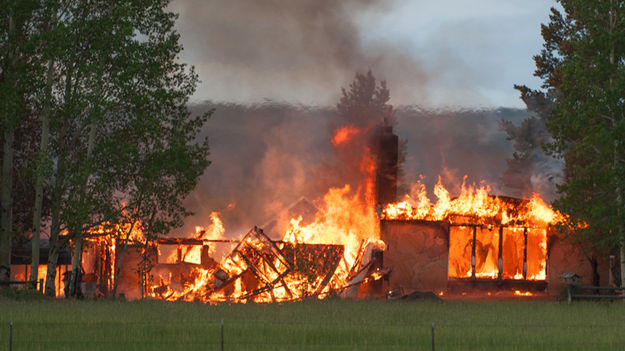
x=129, y=279
x=416, y=253
x=566, y=258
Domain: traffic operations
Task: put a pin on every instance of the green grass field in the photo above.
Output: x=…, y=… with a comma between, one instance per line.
x=41, y=324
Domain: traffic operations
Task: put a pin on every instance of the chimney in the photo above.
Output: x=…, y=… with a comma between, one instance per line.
x=387, y=144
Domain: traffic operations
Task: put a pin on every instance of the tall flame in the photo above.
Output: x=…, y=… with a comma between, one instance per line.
x=346, y=219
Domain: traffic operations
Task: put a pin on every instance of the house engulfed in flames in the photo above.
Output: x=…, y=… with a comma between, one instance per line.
x=477, y=244
x=355, y=242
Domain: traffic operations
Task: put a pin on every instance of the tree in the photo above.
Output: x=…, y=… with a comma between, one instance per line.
x=48, y=18
x=98, y=88
x=582, y=66
x=531, y=170
x=15, y=38
x=374, y=153
x=366, y=102
x=133, y=124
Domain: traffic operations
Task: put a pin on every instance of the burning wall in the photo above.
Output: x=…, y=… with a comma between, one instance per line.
x=417, y=254
x=422, y=257
x=478, y=242
x=439, y=256
x=21, y=265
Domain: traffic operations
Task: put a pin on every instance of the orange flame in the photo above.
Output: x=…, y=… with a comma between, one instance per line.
x=517, y=227
x=214, y=231
x=344, y=134
x=473, y=201
x=346, y=218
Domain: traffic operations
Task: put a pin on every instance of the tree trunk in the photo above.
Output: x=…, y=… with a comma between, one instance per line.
x=5, y=221
x=621, y=230
x=619, y=208
x=57, y=198
x=6, y=203
x=43, y=150
x=55, y=229
x=53, y=256
x=596, y=278
x=76, y=258
x=617, y=157
x=73, y=286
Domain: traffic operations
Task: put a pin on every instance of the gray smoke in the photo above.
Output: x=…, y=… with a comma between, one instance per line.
x=530, y=169
x=266, y=157
x=455, y=143
x=256, y=49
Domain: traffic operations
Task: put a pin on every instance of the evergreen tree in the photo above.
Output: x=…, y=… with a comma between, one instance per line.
x=366, y=102
x=582, y=66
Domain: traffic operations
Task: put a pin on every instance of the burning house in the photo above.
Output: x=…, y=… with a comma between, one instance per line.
x=356, y=241
x=478, y=243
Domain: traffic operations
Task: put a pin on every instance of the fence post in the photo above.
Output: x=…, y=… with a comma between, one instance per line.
x=222, y=334
x=433, y=336
x=11, y=336
x=569, y=293
x=41, y=285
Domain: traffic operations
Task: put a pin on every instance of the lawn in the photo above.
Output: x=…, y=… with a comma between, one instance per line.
x=41, y=324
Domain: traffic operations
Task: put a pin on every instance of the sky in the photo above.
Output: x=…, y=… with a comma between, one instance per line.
x=435, y=54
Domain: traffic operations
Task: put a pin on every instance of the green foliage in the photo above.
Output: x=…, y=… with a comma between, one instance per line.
x=582, y=66
x=366, y=101
x=123, y=146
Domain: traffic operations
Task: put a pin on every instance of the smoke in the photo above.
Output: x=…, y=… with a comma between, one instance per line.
x=266, y=157
x=454, y=143
x=530, y=169
x=288, y=50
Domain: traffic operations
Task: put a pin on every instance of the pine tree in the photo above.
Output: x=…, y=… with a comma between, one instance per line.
x=582, y=66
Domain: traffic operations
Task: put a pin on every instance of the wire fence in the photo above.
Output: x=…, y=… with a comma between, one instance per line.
x=241, y=335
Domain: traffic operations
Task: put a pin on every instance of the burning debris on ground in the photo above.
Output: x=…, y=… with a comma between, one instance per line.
x=258, y=269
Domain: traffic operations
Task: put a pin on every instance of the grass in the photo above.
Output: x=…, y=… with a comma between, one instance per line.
x=42, y=324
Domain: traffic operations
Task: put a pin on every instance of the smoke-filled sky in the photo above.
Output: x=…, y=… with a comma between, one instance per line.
x=274, y=69
x=446, y=53
x=266, y=157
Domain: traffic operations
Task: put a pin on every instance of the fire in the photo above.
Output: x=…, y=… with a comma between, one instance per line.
x=215, y=230
x=540, y=212
x=489, y=237
x=344, y=135
x=473, y=201
x=332, y=252
x=337, y=249
x=342, y=220
x=524, y=293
